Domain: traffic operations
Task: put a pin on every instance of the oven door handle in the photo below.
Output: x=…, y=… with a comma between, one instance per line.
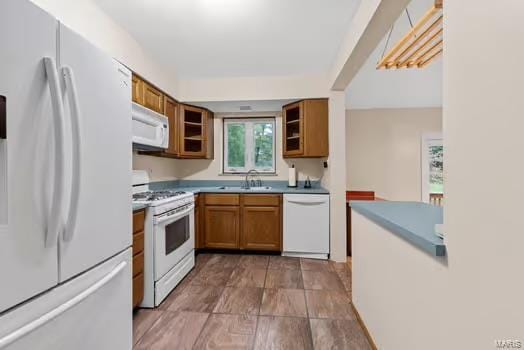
x=173, y=217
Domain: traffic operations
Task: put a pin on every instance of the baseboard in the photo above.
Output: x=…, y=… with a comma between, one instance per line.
x=366, y=332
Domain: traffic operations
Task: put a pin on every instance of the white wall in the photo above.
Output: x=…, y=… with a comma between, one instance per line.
x=368, y=26
x=211, y=169
x=87, y=19
x=483, y=123
x=398, y=290
x=254, y=88
x=397, y=88
x=383, y=150
x=476, y=296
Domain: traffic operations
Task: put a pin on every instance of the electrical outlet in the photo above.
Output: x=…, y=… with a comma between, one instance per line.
x=325, y=164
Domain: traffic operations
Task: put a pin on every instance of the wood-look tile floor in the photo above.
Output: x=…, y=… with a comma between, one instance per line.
x=255, y=302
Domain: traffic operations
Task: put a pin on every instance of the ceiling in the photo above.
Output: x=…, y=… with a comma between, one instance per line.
x=405, y=88
x=202, y=39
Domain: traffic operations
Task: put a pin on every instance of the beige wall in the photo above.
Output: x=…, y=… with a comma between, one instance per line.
x=203, y=169
x=383, y=150
x=483, y=124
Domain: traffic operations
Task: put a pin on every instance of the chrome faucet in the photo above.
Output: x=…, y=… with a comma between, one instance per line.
x=254, y=182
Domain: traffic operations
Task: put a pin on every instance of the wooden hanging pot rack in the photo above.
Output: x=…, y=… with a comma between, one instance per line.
x=421, y=45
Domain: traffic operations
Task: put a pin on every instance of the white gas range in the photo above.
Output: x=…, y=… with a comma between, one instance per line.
x=169, y=244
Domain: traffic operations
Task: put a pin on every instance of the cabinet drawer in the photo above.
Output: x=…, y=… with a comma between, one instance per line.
x=222, y=199
x=138, y=243
x=138, y=289
x=266, y=200
x=138, y=221
x=138, y=263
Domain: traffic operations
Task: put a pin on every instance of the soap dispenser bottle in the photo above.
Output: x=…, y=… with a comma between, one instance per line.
x=307, y=184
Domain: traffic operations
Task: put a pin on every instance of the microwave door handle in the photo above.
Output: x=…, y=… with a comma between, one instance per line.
x=175, y=216
x=55, y=215
x=72, y=94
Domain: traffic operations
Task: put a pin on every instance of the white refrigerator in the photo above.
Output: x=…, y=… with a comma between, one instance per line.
x=65, y=188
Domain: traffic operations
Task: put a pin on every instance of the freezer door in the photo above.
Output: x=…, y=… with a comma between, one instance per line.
x=92, y=311
x=97, y=95
x=27, y=153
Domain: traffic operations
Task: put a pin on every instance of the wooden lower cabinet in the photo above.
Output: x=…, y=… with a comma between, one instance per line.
x=261, y=228
x=221, y=225
x=138, y=257
x=232, y=221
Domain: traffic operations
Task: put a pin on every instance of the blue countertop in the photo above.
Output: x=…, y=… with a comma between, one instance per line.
x=413, y=221
x=212, y=186
x=139, y=206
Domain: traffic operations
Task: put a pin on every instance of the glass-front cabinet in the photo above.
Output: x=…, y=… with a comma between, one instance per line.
x=196, y=132
x=305, y=129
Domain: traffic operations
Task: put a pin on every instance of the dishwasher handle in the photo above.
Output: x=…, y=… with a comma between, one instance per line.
x=306, y=202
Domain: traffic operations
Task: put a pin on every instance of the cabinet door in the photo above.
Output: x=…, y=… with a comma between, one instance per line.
x=192, y=132
x=315, y=130
x=137, y=90
x=153, y=98
x=222, y=227
x=293, y=129
x=171, y=112
x=209, y=146
x=261, y=228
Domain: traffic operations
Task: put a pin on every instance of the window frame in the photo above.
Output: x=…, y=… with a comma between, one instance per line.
x=428, y=140
x=249, y=145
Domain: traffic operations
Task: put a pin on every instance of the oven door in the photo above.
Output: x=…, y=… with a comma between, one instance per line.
x=174, y=234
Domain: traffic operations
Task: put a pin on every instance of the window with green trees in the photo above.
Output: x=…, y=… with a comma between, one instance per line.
x=249, y=144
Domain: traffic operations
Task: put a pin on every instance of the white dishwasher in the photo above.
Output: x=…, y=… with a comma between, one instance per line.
x=306, y=225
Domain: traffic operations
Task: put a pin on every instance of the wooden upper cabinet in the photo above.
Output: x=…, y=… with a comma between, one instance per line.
x=222, y=227
x=153, y=98
x=137, y=89
x=305, y=129
x=293, y=133
x=171, y=112
x=196, y=132
x=190, y=128
x=147, y=95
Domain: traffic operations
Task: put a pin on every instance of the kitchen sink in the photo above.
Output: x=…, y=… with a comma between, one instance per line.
x=241, y=189
x=260, y=188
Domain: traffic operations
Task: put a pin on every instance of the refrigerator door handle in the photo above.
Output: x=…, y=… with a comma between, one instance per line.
x=72, y=95
x=55, y=221
x=42, y=320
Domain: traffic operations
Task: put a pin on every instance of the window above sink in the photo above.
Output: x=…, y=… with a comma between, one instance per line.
x=249, y=144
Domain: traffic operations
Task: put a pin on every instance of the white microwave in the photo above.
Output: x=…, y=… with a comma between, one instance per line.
x=150, y=129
